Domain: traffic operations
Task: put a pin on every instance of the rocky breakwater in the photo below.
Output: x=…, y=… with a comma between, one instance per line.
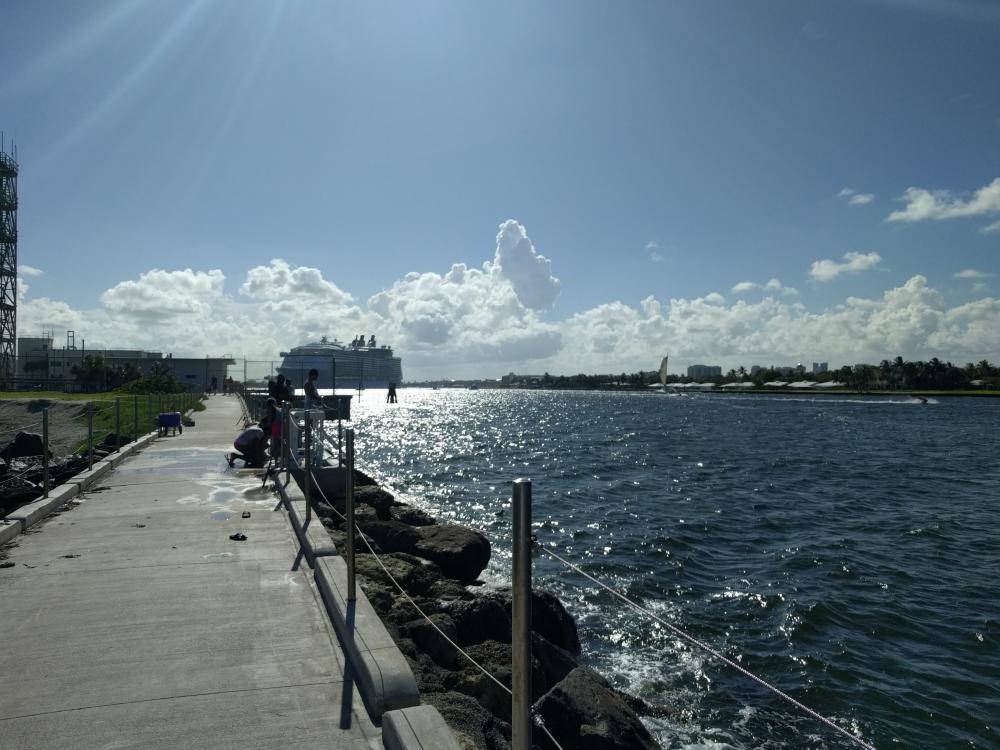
x=437, y=565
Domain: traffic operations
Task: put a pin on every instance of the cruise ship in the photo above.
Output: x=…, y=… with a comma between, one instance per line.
x=360, y=364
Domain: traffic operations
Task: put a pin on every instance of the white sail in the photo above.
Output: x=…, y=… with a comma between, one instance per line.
x=663, y=370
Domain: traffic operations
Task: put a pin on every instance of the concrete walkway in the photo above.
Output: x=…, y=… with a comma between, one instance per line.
x=132, y=621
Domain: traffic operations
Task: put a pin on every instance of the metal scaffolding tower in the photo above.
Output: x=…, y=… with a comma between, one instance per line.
x=8, y=260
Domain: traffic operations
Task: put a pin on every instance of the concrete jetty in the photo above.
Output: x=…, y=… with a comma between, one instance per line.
x=131, y=620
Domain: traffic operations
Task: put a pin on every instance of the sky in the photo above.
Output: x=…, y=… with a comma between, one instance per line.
x=567, y=186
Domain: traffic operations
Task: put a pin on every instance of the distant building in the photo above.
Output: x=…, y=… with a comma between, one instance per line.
x=39, y=358
x=754, y=369
x=819, y=367
x=785, y=370
x=704, y=371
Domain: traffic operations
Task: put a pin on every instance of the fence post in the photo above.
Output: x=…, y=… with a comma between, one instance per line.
x=307, y=485
x=45, y=451
x=149, y=409
x=135, y=416
x=118, y=424
x=521, y=618
x=90, y=435
x=286, y=448
x=349, y=506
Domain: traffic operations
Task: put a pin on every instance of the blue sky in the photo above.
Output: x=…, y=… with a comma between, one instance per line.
x=650, y=151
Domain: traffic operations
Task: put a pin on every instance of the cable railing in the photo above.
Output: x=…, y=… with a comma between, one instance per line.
x=523, y=716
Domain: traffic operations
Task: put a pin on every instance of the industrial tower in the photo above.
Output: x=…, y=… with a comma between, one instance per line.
x=8, y=260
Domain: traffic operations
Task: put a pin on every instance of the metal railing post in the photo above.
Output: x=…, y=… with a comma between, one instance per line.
x=149, y=409
x=90, y=435
x=135, y=416
x=349, y=507
x=45, y=451
x=307, y=485
x=521, y=618
x=118, y=424
x=286, y=448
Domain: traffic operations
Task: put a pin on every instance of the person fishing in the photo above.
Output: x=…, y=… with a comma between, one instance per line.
x=312, y=397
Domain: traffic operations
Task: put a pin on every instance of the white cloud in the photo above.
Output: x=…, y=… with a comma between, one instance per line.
x=774, y=285
x=528, y=272
x=828, y=270
x=27, y=270
x=991, y=228
x=471, y=322
x=855, y=198
x=941, y=204
x=653, y=250
x=971, y=273
x=164, y=294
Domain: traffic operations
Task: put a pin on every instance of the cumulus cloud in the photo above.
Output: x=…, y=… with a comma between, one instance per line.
x=26, y=270
x=529, y=273
x=855, y=198
x=971, y=273
x=165, y=294
x=773, y=286
x=471, y=321
x=828, y=270
x=922, y=204
x=991, y=228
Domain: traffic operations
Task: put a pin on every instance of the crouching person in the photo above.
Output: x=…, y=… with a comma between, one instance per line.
x=251, y=447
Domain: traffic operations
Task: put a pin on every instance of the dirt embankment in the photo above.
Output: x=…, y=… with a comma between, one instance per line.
x=25, y=415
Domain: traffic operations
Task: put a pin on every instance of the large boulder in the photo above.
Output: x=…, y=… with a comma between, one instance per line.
x=461, y=553
x=376, y=497
x=414, y=574
x=480, y=619
x=24, y=444
x=428, y=638
x=412, y=516
x=583, y=713
x=549, y=618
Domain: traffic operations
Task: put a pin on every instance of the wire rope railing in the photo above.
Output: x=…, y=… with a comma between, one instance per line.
x=522, y=503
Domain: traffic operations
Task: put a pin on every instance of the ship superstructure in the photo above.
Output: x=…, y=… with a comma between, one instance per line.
x=360, y=364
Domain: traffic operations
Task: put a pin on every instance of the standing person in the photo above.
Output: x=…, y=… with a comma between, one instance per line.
x=215, y=385
x=390, y=397
x=312, y=400
x=271, y=424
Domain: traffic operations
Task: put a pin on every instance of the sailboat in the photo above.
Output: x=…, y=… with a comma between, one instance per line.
x=663, y=373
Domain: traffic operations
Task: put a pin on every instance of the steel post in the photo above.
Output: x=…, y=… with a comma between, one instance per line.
x=149, y=408
x=521, y=618
x=349, y=523
x=286, y=423
x=307, y=485
x=45, y=451
x=118, y=424
x=90, y=435
x=135, y=417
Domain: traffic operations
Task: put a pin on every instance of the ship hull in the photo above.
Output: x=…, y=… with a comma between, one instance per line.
x=346, y=368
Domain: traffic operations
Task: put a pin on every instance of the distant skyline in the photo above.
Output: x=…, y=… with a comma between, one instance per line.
x=565, y=186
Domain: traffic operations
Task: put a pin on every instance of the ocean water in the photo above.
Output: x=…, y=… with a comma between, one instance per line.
x=847, y=550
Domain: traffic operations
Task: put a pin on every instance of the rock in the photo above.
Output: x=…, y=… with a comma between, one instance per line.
x=414, y=574
x=460, y=552
x=391, y=536
x=376, y=497
x=110, y=442
x=363, y=480
x=582, y=713
x=549, y=618
x=24, y=444
x=430, y=641
x=412, y=516
x=475, y=728
x=479, y=619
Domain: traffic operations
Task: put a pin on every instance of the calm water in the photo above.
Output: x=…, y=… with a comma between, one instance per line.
x=846, y=550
